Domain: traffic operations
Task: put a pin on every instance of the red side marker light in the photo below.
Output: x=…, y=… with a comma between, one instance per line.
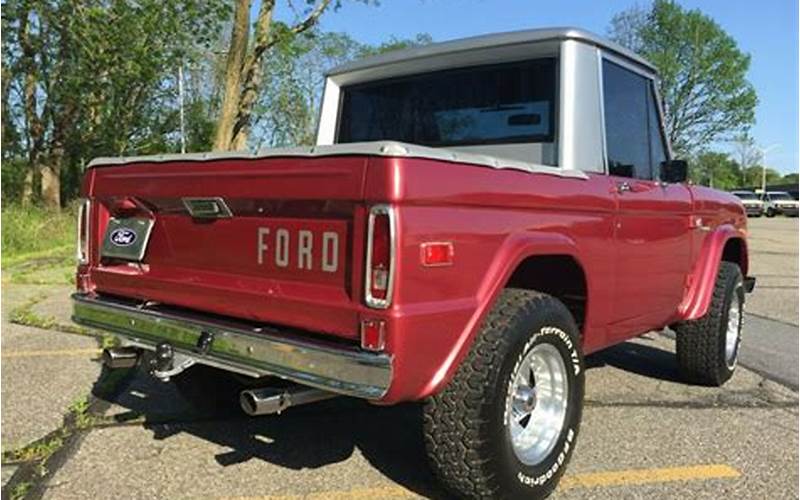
x=438, y=253
x=373, y=334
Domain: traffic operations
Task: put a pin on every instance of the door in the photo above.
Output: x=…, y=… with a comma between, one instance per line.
x=652, y=235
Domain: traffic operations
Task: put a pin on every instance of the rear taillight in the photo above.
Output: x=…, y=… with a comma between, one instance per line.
x=82, y=252
x=380, y=257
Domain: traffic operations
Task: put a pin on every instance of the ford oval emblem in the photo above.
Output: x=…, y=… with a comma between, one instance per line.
x=123, y=237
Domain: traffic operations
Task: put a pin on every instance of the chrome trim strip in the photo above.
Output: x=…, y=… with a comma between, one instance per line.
x=84, y=222
x=602, y=102
x=368, y=298
x=241, y=349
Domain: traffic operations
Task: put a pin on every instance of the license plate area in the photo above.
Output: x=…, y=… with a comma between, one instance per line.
x=127, y=238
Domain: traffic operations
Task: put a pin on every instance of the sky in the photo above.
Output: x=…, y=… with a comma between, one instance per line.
x=766, y=29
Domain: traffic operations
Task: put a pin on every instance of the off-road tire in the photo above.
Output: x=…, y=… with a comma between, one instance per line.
x=210, y=390
x=700, y=343
x=466, y=436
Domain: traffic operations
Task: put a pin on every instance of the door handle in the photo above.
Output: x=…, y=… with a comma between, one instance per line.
x=623, y=187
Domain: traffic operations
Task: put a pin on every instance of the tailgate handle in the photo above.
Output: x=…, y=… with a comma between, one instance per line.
x=207, y=208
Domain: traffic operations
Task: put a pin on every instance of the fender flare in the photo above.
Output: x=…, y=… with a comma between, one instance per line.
x=514, y=250
x=704, y=275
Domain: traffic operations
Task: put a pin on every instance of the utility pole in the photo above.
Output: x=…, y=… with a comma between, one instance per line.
x=180, y=104
x=764, y=152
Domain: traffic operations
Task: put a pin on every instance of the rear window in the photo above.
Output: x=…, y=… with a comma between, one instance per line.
x=497, y=104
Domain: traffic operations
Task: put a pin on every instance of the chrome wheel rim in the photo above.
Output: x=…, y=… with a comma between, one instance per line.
x=733, y=330
x=536, y=403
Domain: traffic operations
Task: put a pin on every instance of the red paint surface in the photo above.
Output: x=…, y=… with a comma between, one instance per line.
x=647, y=263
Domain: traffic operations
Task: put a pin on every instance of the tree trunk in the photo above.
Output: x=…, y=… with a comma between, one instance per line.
x=27, y=187
x=233, y=75
x=253, y=75
x=254, y=71
x=51, y=184
x=34, y=125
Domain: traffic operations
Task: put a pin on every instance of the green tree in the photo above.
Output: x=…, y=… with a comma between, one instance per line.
x=716, y=170
x=94, y=77
x=752, y=176
x=702, y=71
x=246, y=62
x=288, y=107
x=790, y=179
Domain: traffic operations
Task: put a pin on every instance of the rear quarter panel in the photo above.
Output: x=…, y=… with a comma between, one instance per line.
x=495, y=219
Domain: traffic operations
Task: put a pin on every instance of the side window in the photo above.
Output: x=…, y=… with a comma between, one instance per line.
x=658, y=150
x=627, y=137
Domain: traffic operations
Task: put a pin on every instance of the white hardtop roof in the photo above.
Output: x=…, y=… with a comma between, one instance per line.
x=374, y=148
x=489, y=41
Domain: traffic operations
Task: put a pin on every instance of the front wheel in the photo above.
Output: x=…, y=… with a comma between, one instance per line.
x=507, y=424
x=708, y=348
x=770, y=212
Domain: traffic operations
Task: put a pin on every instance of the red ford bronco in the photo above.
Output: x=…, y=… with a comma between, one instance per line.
x=476, y=216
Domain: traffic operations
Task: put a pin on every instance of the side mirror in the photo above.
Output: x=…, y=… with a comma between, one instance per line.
x=674, y=171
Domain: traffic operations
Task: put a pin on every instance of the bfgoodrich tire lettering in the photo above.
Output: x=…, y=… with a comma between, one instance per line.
x=466, y=433
x=702, y=346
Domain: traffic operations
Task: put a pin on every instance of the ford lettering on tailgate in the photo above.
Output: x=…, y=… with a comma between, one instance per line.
x=301, y=248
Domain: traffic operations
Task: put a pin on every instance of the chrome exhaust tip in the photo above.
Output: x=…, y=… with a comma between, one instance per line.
x=271, y=400
x=121, y=357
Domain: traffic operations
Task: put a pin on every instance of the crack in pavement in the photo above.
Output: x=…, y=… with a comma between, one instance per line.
x=36, y=472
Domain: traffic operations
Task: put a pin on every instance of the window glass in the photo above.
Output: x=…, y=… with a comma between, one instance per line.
x=780, y=196
x=497, y=104
x=745, y=196
x=658, y=151
x=625, y=104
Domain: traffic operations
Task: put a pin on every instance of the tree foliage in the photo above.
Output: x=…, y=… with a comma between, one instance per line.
x=245, y=65
x=287, y=110
x=93, y=77
x=721, y=171
x=715, y=170
x=703, y=73
x=89, y=78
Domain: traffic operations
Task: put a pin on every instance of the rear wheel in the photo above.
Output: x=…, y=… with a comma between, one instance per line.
x=708, y=347
x=506, y=425
x=770, y=212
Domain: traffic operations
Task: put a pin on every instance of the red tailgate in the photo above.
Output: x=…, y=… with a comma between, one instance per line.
x=280, y=249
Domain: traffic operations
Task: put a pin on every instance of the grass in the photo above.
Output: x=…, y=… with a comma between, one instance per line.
x=33, y=232
x=39, y=450
x=79, y=412
x=20, y=490
x=25, y=315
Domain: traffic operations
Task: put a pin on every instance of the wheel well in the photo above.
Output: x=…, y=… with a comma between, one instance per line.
x=558, y=275
x=736, y=252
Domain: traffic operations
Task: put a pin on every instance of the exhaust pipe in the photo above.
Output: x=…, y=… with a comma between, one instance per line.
x=121, y=357
x=274, y=400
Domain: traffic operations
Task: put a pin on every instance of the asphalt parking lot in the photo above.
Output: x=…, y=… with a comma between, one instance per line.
x=645, y=434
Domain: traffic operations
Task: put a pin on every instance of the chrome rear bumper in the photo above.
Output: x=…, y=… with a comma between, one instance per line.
x=238, y=347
